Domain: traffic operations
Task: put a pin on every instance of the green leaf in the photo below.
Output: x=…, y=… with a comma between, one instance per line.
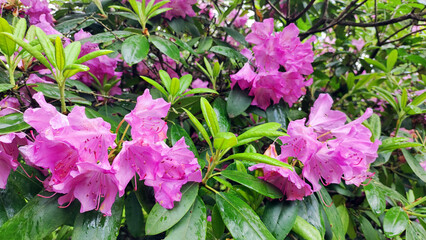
x=238, y=102
x=135, y=49
x=278, y=113
x=5, y=86
x=419, y=99
x=193, y=225
x=59, y=54
x=237, y=36
x=92, y=55
x=217, y=222
x=205, y=44
x=376, y=126
x=134, y=216
x=391, y=60
x=156, y=85
x=414, y=165
x=27, y=47
x=259, y=158
x=210, y=116
x=376, y=64
x=415, y=231
x=253, y=183
x=71, y=52
x=333, y=216
x=161, y=219
x=20, y=29
x=7, y=45
x=395, y=222
x=375, y=198
x=73, y=69
x=304, y=229
x=47, y=46
x=12, y=123
x=185, y=81
x=73, y=23
x=94, y=225
x=199, y=90
x=369, y=232
x=219, y=107
x=241, y=220
x=279, y=217
x=391, y=144
x=389, y=192
x=52, y=91
x=309, y=210
x=224, y=140
x=174, y=87
x=176, y=132
x=229, y=52
x=38, y=219
x=199, y=127
x=106, y=36
x=165, y=78
x=165, y=46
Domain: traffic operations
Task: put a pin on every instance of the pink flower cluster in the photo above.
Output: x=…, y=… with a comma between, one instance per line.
x=179, y=8
x=329, y=150
x=38, y=11
x=79, y=154
x=273, y=51
x=9, y=154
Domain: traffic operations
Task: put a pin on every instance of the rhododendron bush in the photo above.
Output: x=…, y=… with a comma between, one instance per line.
x=224, y=119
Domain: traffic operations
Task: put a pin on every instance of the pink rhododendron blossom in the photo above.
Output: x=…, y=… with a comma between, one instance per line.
x=288, y=181
x=47, y=27
x=329, y=149
x=9, y=105
x=165, y=169
x=179, y=8
x=198, y=83
x=9, y=154
x=273, y=53
x=75, y=151
x=35, y=9
x=423, y=164
x=359, y=44
x=146, y=119
x=240, y=21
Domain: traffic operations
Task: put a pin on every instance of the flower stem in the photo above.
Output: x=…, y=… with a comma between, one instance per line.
x=415, y=203
x=62, y=95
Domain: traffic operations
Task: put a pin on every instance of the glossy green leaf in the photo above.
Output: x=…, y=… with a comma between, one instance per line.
x=32, y=50
x=38, y=218
x=376, y=126
x=224, y=140
x=106, y=36
x=229, y=52
x=71, y=52
x=199, y=90
x=165, y=78
x=386, y=95
x=5, y=86
x=389, y=192
x=135, y=49
x=92, y=55
x=74, y=22
x=210, y=116
x=165, y=46
x=185, y=81
x=369, y=232
x=12, y=123
x=193, y=225
x=278, y=113
x=217, y=222
x=134, y=216
x=333, y=216
x=395, y=222
x=253, y=183
x=199, y=127
x=259, y=158
x=47, y=46
x=237, y=36
x=52, y=91
x=7, y=45
x=156, y=85
x=309, y=209
x=415, y=231
x=390, y=144
x=391, y=60
x=174, y=87
x=241, y=220
x=205, y=44
x=419, y=99
x=176, y=132
x=375, y=198
x=20, y=29
x=219, y=107
x=94, y=225
x=415, y=165
x=376, y=64
x=161, y=219
x=59, y=53
x=238, y=102
x=340, y=202
x=304, y=229
x=279, y=217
